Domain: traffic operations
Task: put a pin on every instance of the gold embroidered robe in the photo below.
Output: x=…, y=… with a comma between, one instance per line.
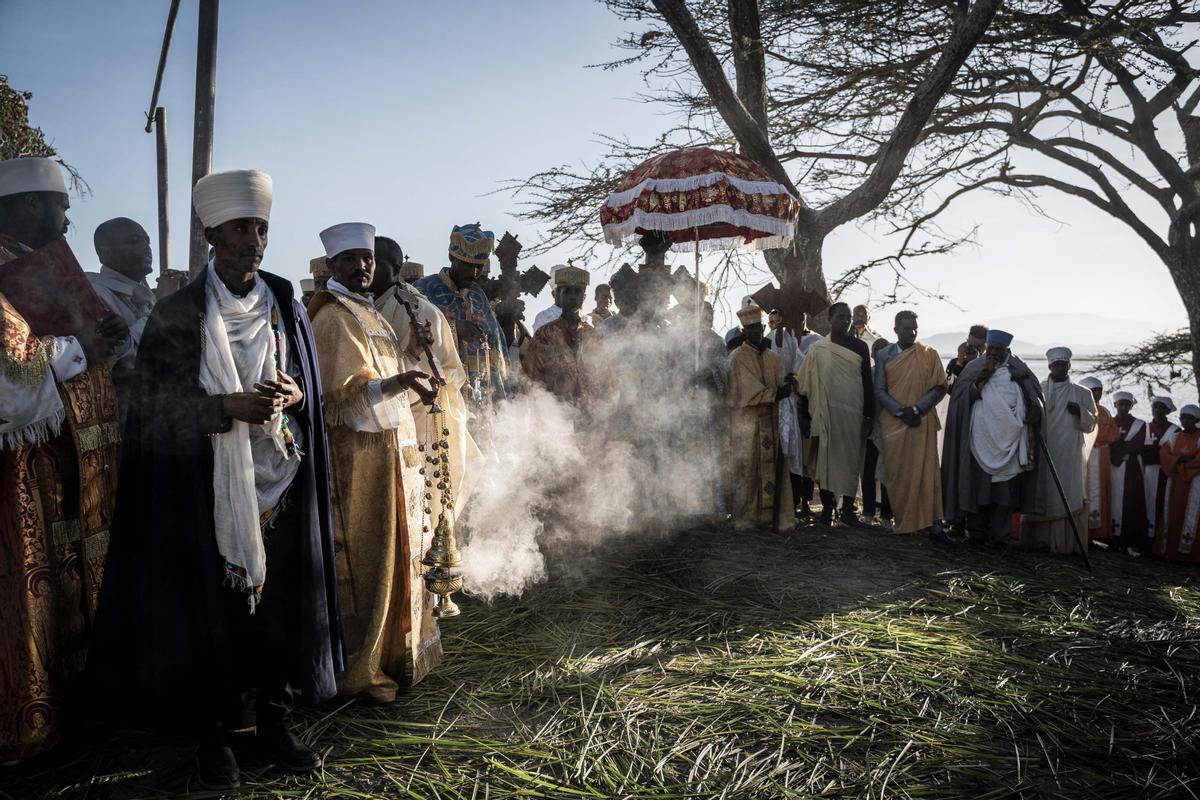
x=560, y=357
x=57, y=491
x=756, y=460
x=391, y=636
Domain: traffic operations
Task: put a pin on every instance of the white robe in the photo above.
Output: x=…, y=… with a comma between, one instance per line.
x=130, y=300
x=998, y=439
x=791, y=355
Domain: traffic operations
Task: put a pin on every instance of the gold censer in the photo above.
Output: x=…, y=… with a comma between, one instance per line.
x=442, y=576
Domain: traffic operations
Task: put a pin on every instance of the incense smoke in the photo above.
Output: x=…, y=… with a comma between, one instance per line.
x=561, y=481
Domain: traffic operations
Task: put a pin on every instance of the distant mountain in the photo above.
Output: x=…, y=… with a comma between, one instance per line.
x=1085, y=333
x=947, y=344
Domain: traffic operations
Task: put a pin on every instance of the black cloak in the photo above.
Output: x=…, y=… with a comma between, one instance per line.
x=162, y=647
x=965, y=486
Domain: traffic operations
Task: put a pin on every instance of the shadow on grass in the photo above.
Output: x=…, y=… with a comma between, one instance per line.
x=819, y=663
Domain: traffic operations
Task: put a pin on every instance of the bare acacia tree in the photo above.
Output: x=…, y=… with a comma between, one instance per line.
x=832, y=97
x=1096, y=101
x=18, y=138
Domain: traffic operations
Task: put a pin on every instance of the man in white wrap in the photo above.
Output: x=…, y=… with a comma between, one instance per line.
x=222, y=576
x=380, y=523
x=1070, y=429
x=791, y=349
x=990, y=465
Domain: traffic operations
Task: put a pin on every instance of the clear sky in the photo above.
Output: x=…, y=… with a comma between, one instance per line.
x=410, y=115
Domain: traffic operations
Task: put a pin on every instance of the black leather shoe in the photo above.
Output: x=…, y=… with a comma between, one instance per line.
x=216, y=767
x=287, y=752
x=939, y=536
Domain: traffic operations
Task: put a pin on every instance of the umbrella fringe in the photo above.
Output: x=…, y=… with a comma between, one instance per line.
x=778, y=232
x=691, y=183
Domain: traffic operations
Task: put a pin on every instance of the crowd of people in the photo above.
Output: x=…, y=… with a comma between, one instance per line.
x=229, y=491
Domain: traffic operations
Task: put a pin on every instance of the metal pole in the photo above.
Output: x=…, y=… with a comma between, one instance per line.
x=202, y=141
x=162, y=62
x=1063, y=496
x=164, y=226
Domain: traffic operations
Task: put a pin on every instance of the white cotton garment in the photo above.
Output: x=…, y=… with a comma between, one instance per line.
x=998, y=439
x=252, y=467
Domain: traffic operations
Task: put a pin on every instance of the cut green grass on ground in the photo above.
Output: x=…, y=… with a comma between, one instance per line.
x=845, y=664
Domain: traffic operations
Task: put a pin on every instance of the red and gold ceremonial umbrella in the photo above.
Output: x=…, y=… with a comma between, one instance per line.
x=711, y=198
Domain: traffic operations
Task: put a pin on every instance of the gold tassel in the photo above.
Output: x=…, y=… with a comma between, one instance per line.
x=94, y=437
x=31, y=372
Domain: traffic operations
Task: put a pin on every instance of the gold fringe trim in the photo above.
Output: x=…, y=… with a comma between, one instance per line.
x=338, y=413
x=427, y=658
x=96, y=545
x=385, y=343
x=412, y=458
x=372, y=441
x=31, y=372
x=65, y=531
x=94, y=437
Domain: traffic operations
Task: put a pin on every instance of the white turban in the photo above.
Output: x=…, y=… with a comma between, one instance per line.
x=1166, y=401
x=21, y=175
x=1190, y=410
x=348, y=236
x=237, y=194
x=1123, y=395
x=1091, y=382
x=1058, y=354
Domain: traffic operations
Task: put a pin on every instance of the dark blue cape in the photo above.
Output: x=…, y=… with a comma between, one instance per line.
x=966, y=488
x=161, y=646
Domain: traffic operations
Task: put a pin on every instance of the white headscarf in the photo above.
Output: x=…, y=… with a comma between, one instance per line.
x=251, y=464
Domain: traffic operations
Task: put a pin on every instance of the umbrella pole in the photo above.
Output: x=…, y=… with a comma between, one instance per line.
x=699, y=302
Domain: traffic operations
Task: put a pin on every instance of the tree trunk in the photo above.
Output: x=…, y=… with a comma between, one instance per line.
x=801, y=275
x=1187, y=281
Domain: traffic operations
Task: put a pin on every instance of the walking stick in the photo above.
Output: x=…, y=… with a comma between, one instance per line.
x=1063, y=496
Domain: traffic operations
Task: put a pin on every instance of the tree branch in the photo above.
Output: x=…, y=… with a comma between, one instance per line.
x=752, y=138
x=926, y=97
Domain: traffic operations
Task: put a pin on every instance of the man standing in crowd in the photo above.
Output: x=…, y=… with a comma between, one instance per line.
x=989, y=467
x=968, y=351
x=456, y=291
x=1068, y=427
x=400, y=306
x=837, y=407
x=392, y=638
x=760, y=498
x=1130, y=524
x=125, y=260
x=791, y=348
x=221, y=570
x=874, y=482
x=604, y=309
x=557, y=355
x=1159, y=431
x=909, y=383
x=626, y=294
x=861, y=327
x=1180, y=513
x=1099, y=467
x=58, y=455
